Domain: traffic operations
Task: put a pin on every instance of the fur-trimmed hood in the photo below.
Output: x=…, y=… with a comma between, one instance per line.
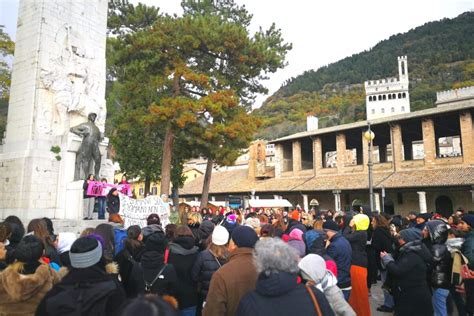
x=20, y=293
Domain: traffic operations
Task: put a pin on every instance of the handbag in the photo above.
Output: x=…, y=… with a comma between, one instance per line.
x=315, y=301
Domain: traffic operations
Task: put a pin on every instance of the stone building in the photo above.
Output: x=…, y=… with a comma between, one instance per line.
x=389, y=96
x=410, y=164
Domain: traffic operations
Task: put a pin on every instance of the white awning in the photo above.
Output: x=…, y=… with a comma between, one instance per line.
x=218, y=203
x=270, y=203
x=192, y=203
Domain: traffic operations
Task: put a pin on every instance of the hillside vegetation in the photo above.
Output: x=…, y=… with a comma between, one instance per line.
x=440, y=57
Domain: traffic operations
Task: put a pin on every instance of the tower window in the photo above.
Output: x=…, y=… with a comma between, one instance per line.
x=383, y=110
x=384, y=97
x=390, y=97
x=380, y=98
x=393, y=110
x=394, y=96
x=399, y=95
x=404, y=95
x=403, y=68
x=370, y=98
x=403, y=109
x=373, y=111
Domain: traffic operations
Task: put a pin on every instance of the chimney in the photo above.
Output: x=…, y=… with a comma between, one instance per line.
x=312, y=123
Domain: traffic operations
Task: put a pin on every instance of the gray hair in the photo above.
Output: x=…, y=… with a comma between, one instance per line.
x=274, y=255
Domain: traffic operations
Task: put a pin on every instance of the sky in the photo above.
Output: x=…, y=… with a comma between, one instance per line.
x=321, y=31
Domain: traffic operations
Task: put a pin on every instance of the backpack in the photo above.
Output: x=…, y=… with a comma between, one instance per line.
x=81, y=299
x=120, y=235
x=149, y=285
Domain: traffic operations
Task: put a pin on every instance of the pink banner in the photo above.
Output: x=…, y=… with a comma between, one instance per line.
x=97, y=188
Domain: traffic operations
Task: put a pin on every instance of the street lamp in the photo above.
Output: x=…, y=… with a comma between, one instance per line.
x=369, y=136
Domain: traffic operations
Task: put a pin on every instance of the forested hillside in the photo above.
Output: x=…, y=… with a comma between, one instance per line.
x=440, y=56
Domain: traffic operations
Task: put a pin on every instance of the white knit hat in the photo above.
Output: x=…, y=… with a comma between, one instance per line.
x=220, y=236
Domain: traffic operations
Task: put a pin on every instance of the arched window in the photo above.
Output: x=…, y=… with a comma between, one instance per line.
x=370, y=98
x=404, y=95
x=384, y=97
x=403, y=68
x=393, y=109
x=383, y=110
x=394, y=96
x=399, y=95
x=380, y=98
x=444, y=205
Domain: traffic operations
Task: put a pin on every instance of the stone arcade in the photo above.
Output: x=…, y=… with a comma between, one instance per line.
x=58, y=79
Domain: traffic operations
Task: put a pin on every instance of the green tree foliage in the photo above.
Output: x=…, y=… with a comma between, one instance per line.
x=196, y=72
x=6, y=50
x=440, y=56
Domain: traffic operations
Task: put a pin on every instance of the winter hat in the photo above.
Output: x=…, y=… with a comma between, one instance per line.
x=425, y=216
x=153, y=219
x=295, y=215
x=331, y=225
x=205, y=229
x=232, y=219
x=252, y=222
x=220, y=236
x=361, y=221
x=468, y=219
x=156, y=242
x=313, y=267
x=29, y=249
x=410, y=234
x=296, y=234
x=82, y=260
x=65, y=241
x=244, y=236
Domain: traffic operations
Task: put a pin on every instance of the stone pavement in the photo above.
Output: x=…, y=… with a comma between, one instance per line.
x=376, y=299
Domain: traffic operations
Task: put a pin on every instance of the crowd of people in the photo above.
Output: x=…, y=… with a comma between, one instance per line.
x=235, y=262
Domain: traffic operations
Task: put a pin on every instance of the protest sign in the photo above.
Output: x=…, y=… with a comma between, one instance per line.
x=135, y=212
x=97, y=188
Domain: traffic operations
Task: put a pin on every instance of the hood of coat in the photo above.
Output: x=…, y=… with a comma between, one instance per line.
x=183, y=245
x=276, y=283
x=23, y=287
x=419, y=248
x=438, y=231
x=205, y=229
x=152, y=259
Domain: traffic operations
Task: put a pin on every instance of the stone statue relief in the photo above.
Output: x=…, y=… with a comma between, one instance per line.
x=88, y=157
x=71, y=81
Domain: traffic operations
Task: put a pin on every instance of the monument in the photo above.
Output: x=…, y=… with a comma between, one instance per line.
x=58, y=79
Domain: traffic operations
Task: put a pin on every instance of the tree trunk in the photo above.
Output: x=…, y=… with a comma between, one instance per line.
x=147, y=186
x=206, y=184
x=166, y=162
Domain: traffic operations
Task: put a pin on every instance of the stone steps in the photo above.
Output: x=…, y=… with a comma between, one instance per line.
x=75, y=225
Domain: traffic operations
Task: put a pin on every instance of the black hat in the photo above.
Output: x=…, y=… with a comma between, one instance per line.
x=244, y=236
x=331, y=225
x=156, y=242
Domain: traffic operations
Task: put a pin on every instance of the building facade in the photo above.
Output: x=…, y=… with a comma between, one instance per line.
x=411, y=169
x=389, y=96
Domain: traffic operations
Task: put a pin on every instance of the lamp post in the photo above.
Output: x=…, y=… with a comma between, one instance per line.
x=369, y=136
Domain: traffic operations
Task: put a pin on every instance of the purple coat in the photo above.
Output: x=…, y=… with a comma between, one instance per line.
x=299, y=246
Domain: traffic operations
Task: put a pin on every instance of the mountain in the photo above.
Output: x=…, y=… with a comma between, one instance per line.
x=440, y=57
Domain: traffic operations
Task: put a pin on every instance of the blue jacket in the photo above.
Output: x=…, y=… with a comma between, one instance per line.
x=341, y=252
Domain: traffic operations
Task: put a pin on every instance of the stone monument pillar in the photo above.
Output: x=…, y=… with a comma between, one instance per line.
x=58, y=79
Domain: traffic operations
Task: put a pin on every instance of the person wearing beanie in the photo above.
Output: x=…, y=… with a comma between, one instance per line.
x=314, y=273
x=88, y=278
x=357, y=237
x=234, y=279
x=230, y=222
x=294, y=222
x=152, y=275
x=25, y=282
x=278, y=291
x=205, y=230
x=296, y=241
x=153, y=226
x=421, y=220
x=340, y=250
x=411, y=292
x=65, y=241
x=466, y=226
x=330, y=224
x=209, y=261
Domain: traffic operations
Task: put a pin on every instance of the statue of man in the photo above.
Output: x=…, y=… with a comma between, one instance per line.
x=89, y=150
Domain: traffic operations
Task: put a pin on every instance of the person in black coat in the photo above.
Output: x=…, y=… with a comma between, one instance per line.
x=152, y=274
x=408, y=274
x=435, y=236
x=113, y=201
x=129, y=256
x=277, y=290
x=89, y=278
x=210, y=260
x=205, y=230
x=382, y=241
x=182, y=255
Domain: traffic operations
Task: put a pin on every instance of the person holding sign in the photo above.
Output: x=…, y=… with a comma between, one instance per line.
x=89, y=200
x=102, y=202
x=113, y=205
